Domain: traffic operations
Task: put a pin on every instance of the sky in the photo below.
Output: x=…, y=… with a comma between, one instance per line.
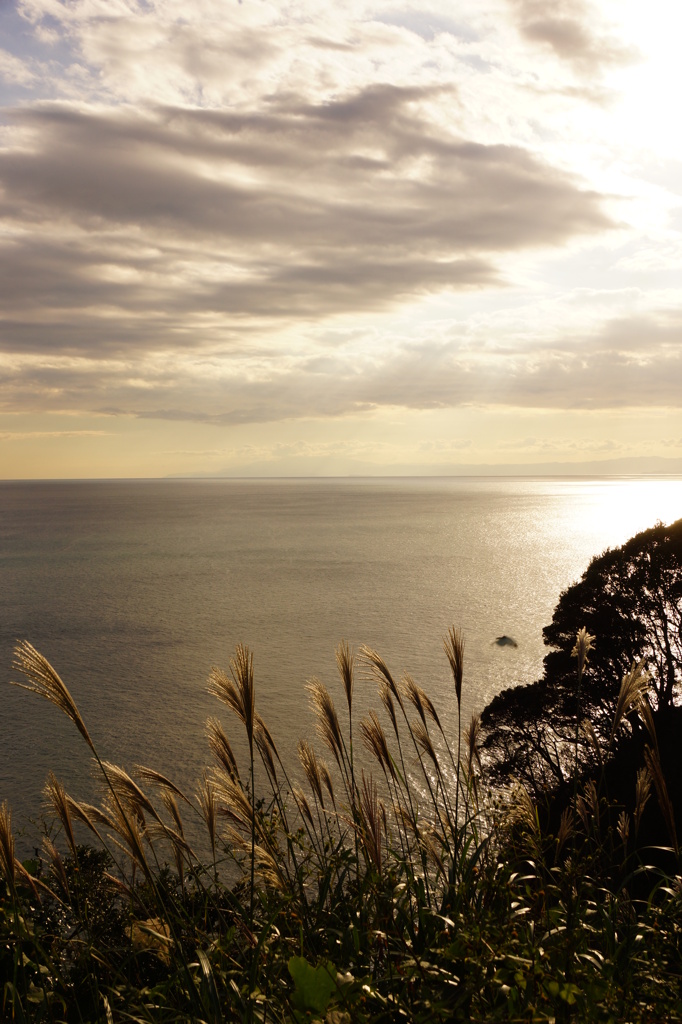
x=258, y=237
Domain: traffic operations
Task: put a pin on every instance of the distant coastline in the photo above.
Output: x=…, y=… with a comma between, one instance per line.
x=640, y=466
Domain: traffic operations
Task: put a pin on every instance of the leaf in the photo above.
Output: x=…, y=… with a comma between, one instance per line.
x=209, y=989
x=314, y=986
x=569, y=992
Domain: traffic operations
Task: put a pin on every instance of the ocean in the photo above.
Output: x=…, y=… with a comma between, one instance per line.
x=133, y=590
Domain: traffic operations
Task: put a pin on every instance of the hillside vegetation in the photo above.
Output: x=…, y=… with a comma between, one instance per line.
x=408, y=892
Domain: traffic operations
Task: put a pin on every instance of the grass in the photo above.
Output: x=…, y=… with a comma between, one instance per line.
x=338, y=893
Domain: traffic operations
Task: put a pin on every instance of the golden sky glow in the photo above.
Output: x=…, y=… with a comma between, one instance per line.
x=272, y=238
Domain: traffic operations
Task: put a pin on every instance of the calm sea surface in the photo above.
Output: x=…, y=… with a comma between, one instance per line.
x=133, y=590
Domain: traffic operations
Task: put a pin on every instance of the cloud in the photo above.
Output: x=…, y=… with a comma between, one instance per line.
x=14, y=70
x=46, y=435
x=571, y=30
x=565, y=445
x=627, y=363
x=129, y=230
x=428, y=25
x=444, y=446
x=250, y=218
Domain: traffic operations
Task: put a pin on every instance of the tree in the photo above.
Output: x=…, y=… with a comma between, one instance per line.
x=630, y=599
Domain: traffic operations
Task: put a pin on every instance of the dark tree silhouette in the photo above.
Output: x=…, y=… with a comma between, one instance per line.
x=630, y=599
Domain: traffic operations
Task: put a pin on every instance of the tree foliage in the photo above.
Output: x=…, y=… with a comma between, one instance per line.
x=630, y=599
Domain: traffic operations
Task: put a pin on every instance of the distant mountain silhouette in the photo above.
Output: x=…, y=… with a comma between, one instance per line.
x=305, y=468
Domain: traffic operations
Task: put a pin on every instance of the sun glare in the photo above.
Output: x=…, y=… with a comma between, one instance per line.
x=618, y=509
x=653, y=82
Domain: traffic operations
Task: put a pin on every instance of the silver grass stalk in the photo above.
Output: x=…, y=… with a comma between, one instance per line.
x=120, y=886
x=7, y=845
x=58, y=869
x=421, y=735
x=311, y=769
x=389, y=692
x=325, y=775
x=593, y=740
x=155, y=831
x=642, y=794
x=453, y=645
x=592, y=800
x=130, y=828
x=421, y=701
x=521, y=809
x=582, y=811
x=88, y=815
x=237, y=690
x=261, y=737
x=154, y=778
x=269, y=870
x=429, y=843
x=371, y=818
x=623, y=827
x=386, y=695
x=128, y=791
x=632, y=689
x=171, y=805
x=59, y=801
x=327, y=719
x=386, y=699
x=406, y=820
x=206, y=799
x=472, y=735
x=44, y=681
x=236, y=803
x=645, y=713
x=345, y=664
x=379, y=669
x=584, y=643
x=220, y=748
x=260, y=724
x=413, y=694
x=303, y=805
x=376, y=743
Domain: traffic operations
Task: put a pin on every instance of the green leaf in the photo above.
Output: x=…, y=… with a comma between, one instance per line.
x=569, y=992
x=209, y=990
x=314, y=986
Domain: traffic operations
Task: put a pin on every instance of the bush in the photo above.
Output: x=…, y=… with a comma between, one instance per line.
x=630, y=599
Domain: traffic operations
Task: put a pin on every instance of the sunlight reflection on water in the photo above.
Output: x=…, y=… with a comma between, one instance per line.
x=133, y=591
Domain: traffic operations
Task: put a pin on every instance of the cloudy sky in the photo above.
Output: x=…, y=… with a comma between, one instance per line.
x=271, y=237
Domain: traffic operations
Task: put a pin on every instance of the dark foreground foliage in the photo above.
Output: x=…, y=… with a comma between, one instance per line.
x=546, y=940
x=338, y=896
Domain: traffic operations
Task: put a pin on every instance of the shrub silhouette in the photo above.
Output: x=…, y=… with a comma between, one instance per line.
x=630, y=599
